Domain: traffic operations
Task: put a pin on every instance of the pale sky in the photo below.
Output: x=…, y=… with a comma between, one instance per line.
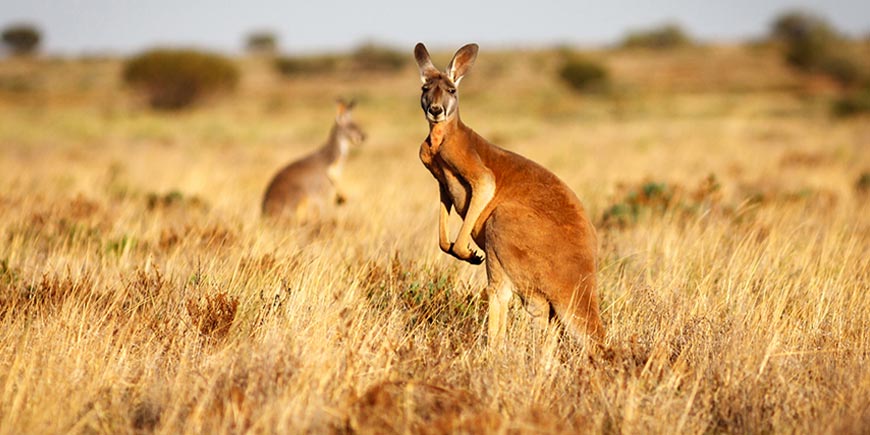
x=125, y=26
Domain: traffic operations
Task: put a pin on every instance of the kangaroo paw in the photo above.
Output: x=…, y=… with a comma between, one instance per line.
x=469, y=255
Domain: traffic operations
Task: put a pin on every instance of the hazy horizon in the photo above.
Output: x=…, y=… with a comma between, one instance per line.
x=124, y=26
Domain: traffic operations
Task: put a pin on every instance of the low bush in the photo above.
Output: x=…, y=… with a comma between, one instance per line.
x=372, y=57
x=19, y=83
x=843, y=69
x=663, y=37
x=852, y=103
x=175, y=79
x=366, y=58
x=426, y=295
x=862, y=185
x=302, y=66
x=655, y=199
x=584, y=75
x=174, y=199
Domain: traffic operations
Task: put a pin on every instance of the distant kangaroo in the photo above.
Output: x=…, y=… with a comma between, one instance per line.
x=534, y=233
x=304, y=189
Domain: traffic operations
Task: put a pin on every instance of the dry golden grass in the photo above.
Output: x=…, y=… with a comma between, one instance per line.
x=140, y=292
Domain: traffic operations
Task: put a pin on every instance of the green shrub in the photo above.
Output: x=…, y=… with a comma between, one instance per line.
x=372, y=57
x=367, y=58
x=648, y=198
x=584, y=75
x=174, y=79
x=656, y=199
x=311, y=65
x=427, y=295
x=853, y=103
x=21, y=39
x=261, y=43
x=843, y=69
x=21, y=83
x=862, y=185
x=663, y=37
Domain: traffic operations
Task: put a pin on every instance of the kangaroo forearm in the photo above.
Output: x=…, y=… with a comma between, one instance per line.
x=481, y=196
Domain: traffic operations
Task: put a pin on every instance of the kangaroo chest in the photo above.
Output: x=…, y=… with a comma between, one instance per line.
x=458, y=189
x=333, y=170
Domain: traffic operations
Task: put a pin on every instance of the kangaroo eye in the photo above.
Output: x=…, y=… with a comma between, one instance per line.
x=451, y=90
x=425, y=88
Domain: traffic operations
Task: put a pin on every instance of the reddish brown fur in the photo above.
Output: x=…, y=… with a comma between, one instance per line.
x=538, y=241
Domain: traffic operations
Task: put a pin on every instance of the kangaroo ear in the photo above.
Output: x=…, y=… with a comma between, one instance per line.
x=342, y=110
x=461, y=63
x=424, y=62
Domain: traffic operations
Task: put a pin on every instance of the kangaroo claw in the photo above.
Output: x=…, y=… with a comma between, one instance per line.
x=471, y=255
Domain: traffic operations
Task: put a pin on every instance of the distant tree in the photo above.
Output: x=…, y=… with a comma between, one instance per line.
x=261, y=43
x=21, y=39
x=174, y=79
x=812, y=44
x=808, y=38
x=662, y=37
x=796, y=25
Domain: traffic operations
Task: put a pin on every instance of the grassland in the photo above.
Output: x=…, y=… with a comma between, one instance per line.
x=141, y=293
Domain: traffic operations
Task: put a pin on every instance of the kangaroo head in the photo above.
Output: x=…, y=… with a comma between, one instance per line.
x=346, y=128
x=440, y=100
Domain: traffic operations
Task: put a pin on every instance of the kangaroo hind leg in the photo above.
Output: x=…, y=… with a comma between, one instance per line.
x=499, y=290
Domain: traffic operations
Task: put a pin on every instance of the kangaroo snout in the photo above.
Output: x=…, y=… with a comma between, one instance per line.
x=435, y=110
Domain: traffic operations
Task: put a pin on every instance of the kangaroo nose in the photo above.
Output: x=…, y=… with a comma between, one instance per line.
x=435, y=110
